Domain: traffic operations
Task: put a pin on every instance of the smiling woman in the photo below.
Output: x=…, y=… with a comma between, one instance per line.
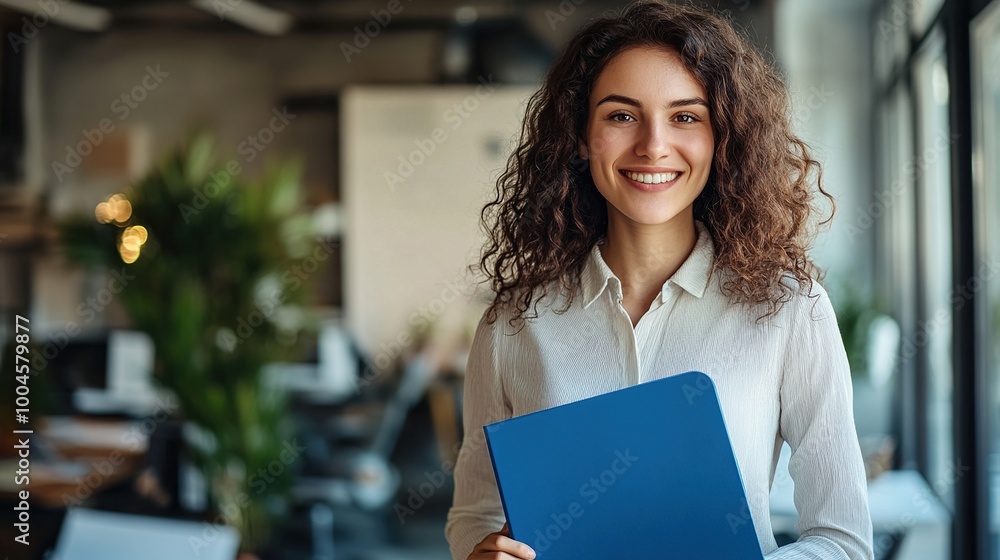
x=649, y=141
x=655, y=219
x=655, y=133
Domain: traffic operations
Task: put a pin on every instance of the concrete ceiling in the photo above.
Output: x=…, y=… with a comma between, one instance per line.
x=321, y=15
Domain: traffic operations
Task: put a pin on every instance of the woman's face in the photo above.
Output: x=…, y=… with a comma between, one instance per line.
x=649, y=137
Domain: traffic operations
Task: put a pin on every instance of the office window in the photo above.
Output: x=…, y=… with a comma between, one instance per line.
x=986, y=118
x=933, y=336
x=898, y=247
x=922, y=14
x=883, y=44
x=940, y=242
x=898, y=17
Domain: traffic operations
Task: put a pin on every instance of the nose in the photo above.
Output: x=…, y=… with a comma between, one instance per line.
x=654, y=140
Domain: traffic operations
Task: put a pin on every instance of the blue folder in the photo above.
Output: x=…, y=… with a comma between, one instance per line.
x=643, y=472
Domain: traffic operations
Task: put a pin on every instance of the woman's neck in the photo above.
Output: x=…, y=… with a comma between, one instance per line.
x=643, y=257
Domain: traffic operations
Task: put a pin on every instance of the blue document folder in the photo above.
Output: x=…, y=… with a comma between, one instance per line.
x=642, y=472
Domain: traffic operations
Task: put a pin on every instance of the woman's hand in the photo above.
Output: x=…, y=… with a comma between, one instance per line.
x=502, y=543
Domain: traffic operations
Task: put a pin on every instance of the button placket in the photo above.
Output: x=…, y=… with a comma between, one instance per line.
x=631, y=342
x=628, y=338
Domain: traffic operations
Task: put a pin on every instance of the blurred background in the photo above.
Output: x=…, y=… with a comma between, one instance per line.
x=234, y=239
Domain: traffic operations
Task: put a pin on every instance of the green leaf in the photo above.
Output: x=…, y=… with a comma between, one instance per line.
x=208, y=246
x=199, y=157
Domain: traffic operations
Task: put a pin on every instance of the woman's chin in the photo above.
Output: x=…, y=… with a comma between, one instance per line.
x=652, y=219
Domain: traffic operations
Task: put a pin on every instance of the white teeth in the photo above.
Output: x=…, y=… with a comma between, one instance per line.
x=652, y=178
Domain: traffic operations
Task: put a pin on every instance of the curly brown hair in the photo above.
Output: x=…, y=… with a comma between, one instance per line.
x=757, y=205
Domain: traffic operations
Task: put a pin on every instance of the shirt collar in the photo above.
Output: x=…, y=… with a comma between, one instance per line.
x=692, y=276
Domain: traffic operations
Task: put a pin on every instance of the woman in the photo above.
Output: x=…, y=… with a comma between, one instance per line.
x=654, y=220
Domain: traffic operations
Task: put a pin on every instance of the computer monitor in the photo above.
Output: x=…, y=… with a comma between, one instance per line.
x=107, y=374
x=88, y=534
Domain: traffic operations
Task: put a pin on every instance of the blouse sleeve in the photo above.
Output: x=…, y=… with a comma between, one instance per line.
x=817, y=421
x=477, y=510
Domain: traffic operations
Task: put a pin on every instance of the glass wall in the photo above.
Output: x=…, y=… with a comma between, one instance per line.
x=900, y=247
x=933, y=334
x=938, y=248
x=986, y=168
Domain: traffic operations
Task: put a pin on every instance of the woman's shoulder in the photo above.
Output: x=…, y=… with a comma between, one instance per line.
x=515, y=313
x=790, y=301
x=783, y=286
x=807, y=301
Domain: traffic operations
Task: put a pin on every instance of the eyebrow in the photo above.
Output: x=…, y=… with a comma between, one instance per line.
x=616, y=98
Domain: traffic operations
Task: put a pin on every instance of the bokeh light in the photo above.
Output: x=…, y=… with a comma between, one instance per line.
x=115, y=209
x=130, y=242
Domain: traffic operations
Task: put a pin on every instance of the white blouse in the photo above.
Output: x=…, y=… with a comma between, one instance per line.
x=785, y=378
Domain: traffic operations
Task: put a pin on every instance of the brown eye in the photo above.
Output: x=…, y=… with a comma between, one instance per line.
x=620, y=117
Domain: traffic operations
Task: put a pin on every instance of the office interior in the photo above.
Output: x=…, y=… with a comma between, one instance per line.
x=235, y=238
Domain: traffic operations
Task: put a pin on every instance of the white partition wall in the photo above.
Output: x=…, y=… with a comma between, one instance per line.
x=418, y=164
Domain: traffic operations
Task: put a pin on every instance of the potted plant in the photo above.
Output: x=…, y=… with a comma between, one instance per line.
x=872, y=341
x=209, y=252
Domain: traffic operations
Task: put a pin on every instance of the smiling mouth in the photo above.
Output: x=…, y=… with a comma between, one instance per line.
x=651, y=178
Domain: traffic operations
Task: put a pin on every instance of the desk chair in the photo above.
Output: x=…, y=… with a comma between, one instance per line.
x=350, y=468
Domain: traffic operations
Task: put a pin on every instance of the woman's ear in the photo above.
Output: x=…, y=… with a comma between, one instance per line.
x=584, y=153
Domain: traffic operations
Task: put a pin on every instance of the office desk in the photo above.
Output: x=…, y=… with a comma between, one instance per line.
x=73, y=459
x=899, y=501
